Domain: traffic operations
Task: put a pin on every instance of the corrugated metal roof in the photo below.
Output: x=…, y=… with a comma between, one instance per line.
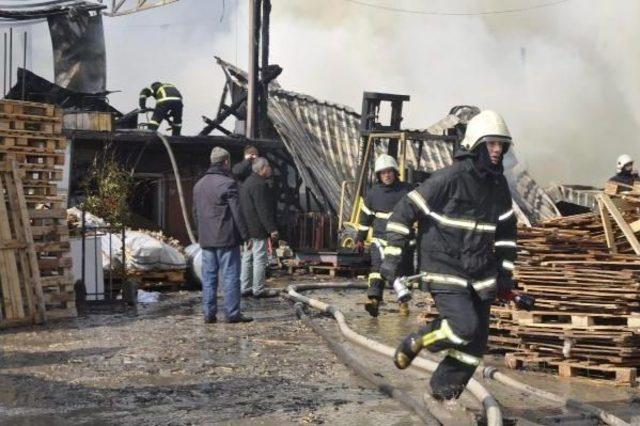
x=324, y=140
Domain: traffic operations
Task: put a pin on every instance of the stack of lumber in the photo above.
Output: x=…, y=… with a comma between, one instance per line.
x=21, y=298
x=31, y=135
x=587, y=316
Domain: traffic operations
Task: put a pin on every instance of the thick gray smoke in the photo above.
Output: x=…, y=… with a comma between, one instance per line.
x=565, y=77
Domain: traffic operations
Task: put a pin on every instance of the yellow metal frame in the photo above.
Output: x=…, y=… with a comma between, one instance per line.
x=354, y=219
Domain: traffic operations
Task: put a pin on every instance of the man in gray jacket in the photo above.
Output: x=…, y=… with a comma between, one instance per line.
x=221, y=230
x=257, y=207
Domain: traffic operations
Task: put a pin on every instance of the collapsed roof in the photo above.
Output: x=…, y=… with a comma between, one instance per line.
x=324, y=140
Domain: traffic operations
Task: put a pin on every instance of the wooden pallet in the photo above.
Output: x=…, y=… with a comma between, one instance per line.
x=619, y=376
x=590, y=321
x=30, y=135
x=29, y=108
x=17, y=140
x=22, y=300
x=26, y=125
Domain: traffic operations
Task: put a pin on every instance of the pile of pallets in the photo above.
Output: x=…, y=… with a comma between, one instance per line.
x=587, y=316
x=21, y=298
x=31, y=135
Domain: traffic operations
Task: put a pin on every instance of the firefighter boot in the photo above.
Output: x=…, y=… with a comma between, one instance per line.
x=404, y=308
x=431, y=337
x=374, y=294
x=408, y=349
x=371, y=306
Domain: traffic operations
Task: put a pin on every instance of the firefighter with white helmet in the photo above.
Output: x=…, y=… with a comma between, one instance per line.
x=467, y=243
x=374, y=212
x=624, y=171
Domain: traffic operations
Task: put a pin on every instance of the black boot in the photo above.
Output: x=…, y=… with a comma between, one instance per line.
x=371, y=306
x=407, y=350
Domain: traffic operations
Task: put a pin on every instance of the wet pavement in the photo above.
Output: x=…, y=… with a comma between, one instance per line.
x=160, y=365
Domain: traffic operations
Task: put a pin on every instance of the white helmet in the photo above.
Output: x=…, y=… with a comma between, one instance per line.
x=385, y=161
x=486, y=123
x=623, y=160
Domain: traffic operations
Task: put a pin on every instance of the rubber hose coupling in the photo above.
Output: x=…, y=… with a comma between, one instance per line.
x=489, y=371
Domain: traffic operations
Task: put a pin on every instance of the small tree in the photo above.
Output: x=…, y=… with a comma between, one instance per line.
x=108, y=187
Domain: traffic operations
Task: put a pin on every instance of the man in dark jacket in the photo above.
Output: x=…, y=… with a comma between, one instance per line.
x=624, y=171
x=375, y=211
x=168, y=105
x=221, y=230
x=242, y=170
x=467, y=234
x=257, y=207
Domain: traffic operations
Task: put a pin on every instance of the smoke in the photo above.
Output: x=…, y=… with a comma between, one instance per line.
x=175, y=43
x=564, y=77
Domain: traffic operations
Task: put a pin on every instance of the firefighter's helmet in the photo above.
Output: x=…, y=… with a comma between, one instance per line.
x=486, y=123
x=623, y=160
x=384, y=162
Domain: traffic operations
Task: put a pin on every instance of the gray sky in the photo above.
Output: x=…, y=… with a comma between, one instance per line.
x=565, y=77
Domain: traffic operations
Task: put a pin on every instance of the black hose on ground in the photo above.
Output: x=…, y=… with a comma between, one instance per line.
x=382, y=385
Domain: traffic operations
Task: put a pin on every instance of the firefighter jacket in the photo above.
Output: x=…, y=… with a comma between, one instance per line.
x=163, y=93
x=624, y=177
x=466, y=227
x=376, y=209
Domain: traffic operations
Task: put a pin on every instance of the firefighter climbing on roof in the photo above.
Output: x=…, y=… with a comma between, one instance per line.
x=467, y=234
x=168, y=106
x=375, y=211
x=625, y=173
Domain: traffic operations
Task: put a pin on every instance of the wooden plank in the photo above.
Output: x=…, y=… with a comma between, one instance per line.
x=608, y=230
x=624, y=226
x=11, y=281
x=18, y=228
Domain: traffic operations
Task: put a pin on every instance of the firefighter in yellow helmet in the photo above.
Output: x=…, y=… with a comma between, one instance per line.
x=375, y=212
x=168, y=105
x=467, y=235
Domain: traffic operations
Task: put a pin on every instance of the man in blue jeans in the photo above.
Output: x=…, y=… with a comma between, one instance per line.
x=258, y=208
x=221, y=230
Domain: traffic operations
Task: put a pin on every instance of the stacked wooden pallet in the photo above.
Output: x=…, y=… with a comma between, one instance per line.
x=587, y=317
x=31, y=134
x=21, y=298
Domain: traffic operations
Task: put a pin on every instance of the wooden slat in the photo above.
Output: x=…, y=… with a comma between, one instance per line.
x=10, y=278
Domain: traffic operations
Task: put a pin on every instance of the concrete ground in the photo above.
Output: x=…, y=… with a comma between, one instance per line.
x=160, y=365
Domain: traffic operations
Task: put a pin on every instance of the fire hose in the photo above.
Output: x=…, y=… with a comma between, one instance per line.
x=494, y=415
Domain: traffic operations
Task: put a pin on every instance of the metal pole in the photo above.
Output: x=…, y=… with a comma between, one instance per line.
x=10, y=57
x=254, y=16
x=264, y=87
x=4, y=62
x=84, y=242
x=24, y=63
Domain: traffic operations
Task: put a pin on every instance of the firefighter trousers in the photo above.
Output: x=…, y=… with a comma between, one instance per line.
x=462, y=330
x=376, y=282
x=170, y=111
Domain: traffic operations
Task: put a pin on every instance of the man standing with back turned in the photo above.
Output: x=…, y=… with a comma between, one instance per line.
x=221, y=230
x=257, y=207
x=467, y=234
